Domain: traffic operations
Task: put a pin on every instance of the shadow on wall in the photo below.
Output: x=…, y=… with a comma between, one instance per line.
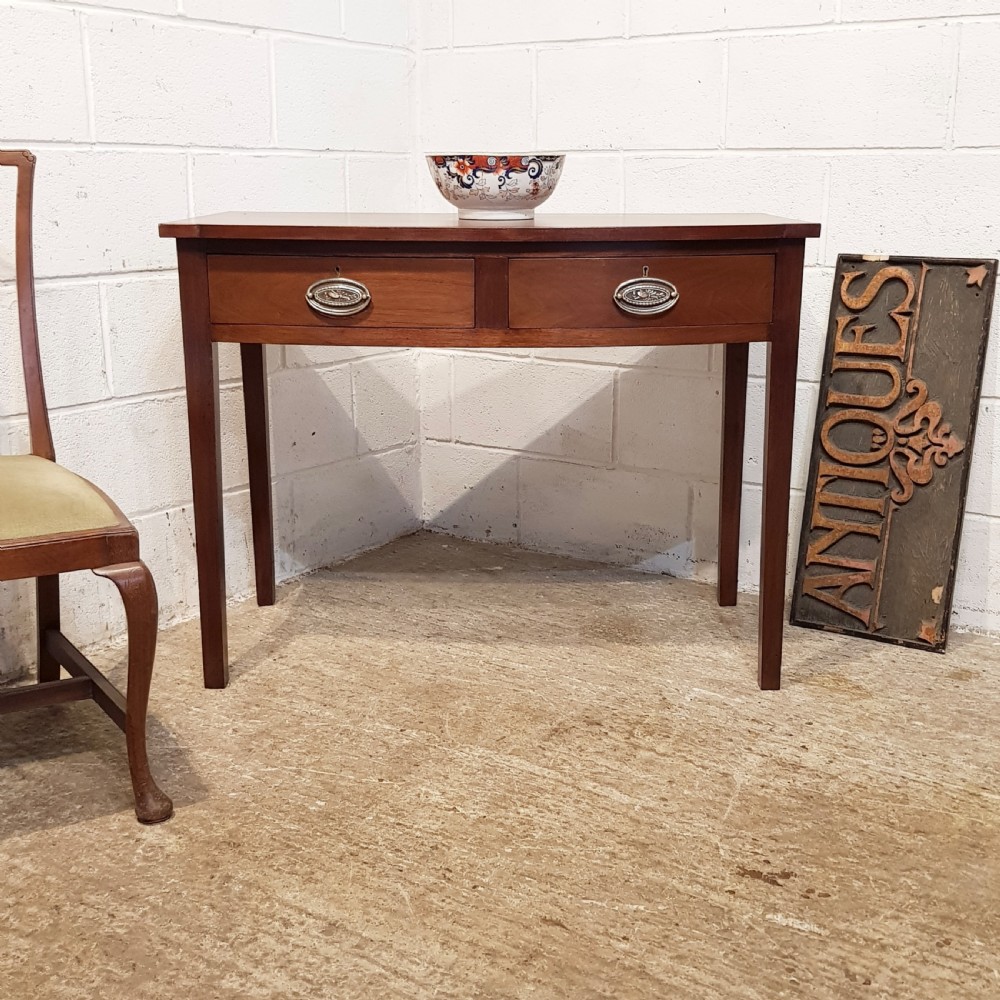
x=582, y=460
x=344, y=478
x=571, y=486
x=344, y=457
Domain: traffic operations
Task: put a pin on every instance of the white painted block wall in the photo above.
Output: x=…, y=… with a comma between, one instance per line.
x=877, y=118
x=142, y=111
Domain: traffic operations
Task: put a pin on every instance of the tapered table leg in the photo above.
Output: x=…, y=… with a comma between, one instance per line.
x=259, y=460
x=202, y=377
x=734, y=407
x=779, y=419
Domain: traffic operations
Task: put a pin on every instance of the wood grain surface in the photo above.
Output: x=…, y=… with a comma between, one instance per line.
x=448, y=228
x=410, y=292
x=577, y=292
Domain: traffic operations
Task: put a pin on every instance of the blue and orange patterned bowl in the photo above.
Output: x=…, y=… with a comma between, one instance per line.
x=496, y=186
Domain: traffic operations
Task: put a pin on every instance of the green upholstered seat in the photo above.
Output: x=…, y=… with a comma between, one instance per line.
x=38, y=497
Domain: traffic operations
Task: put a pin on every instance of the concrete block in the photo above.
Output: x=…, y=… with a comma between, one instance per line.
x=654, y=17
x=385, y=23
x=379, y=184
x=344, y=99
x=817, y=291
x=806, y=396
x=166, y=83
x=97, y=212
x=426, y=196
x=524, y=22
x=285, y=566
x=984, y=475
x=977, y=577
x=749, y=571
x=144, y=331
x=705, y=532
x=918, y=204
x=143, y=460
x=612, y=515
x=470, y=492
x=233, y=438
x=435, y=394
x=789, y=90
x=591, y=183
x=312, y=419
x=450, y=121
x=340, y=509
x=8, y=187
x=42, y=92
x=14, y=438
x=72, y=346
x=312, y=17
x=166, y=541
x=589, y=97
x=17, y=636
x=885, y=10
x=991, y=370
x=670, y=422
x=977, y=118
x=386, y=411
x=149, y=6
x=502, y=353
x=92, y=612
x=310, y=356
x=234, y=182
x=240, y=581
x=433, y=26
x=685, y=357
x=548, y=408
x=790, y=186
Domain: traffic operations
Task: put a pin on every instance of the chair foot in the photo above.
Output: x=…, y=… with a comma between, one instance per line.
x=152, y=806
x=138, y=592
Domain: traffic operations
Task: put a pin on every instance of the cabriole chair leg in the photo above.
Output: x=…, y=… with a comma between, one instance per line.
x=138, y=592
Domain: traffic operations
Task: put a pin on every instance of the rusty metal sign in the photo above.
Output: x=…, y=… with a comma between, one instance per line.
x=892, y=447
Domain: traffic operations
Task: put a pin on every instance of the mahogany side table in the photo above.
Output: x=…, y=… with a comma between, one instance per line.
x=434, y=281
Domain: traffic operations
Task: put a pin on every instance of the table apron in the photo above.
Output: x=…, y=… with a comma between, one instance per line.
x=358, y=336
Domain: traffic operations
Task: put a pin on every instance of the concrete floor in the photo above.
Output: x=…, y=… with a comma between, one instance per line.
x=455, y=770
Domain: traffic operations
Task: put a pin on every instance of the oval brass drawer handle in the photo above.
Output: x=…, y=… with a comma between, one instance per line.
x=646, y=296
x=338, y=296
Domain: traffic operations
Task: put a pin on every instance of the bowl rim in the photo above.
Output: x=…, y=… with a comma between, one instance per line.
x=543, y=155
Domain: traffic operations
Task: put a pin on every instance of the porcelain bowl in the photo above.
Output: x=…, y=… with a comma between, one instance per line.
x=496, y=186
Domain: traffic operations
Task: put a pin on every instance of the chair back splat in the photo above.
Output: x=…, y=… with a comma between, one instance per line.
x=38, y=416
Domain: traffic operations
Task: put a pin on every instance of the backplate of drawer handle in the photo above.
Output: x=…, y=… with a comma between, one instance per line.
x=646, y=296
x=338, y=296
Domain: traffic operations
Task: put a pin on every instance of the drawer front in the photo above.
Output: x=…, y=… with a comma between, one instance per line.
x=573, y=293
x=404, y=292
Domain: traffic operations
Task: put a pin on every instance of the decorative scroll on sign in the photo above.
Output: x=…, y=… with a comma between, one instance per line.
x=892, y=448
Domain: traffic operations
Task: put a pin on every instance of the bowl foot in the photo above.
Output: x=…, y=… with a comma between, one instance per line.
x=495, y=214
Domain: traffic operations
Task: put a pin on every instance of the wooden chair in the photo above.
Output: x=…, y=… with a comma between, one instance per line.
x=53, y=522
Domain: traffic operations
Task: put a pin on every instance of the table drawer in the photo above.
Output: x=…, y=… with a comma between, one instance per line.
x=579, y=292
x=404, y=292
